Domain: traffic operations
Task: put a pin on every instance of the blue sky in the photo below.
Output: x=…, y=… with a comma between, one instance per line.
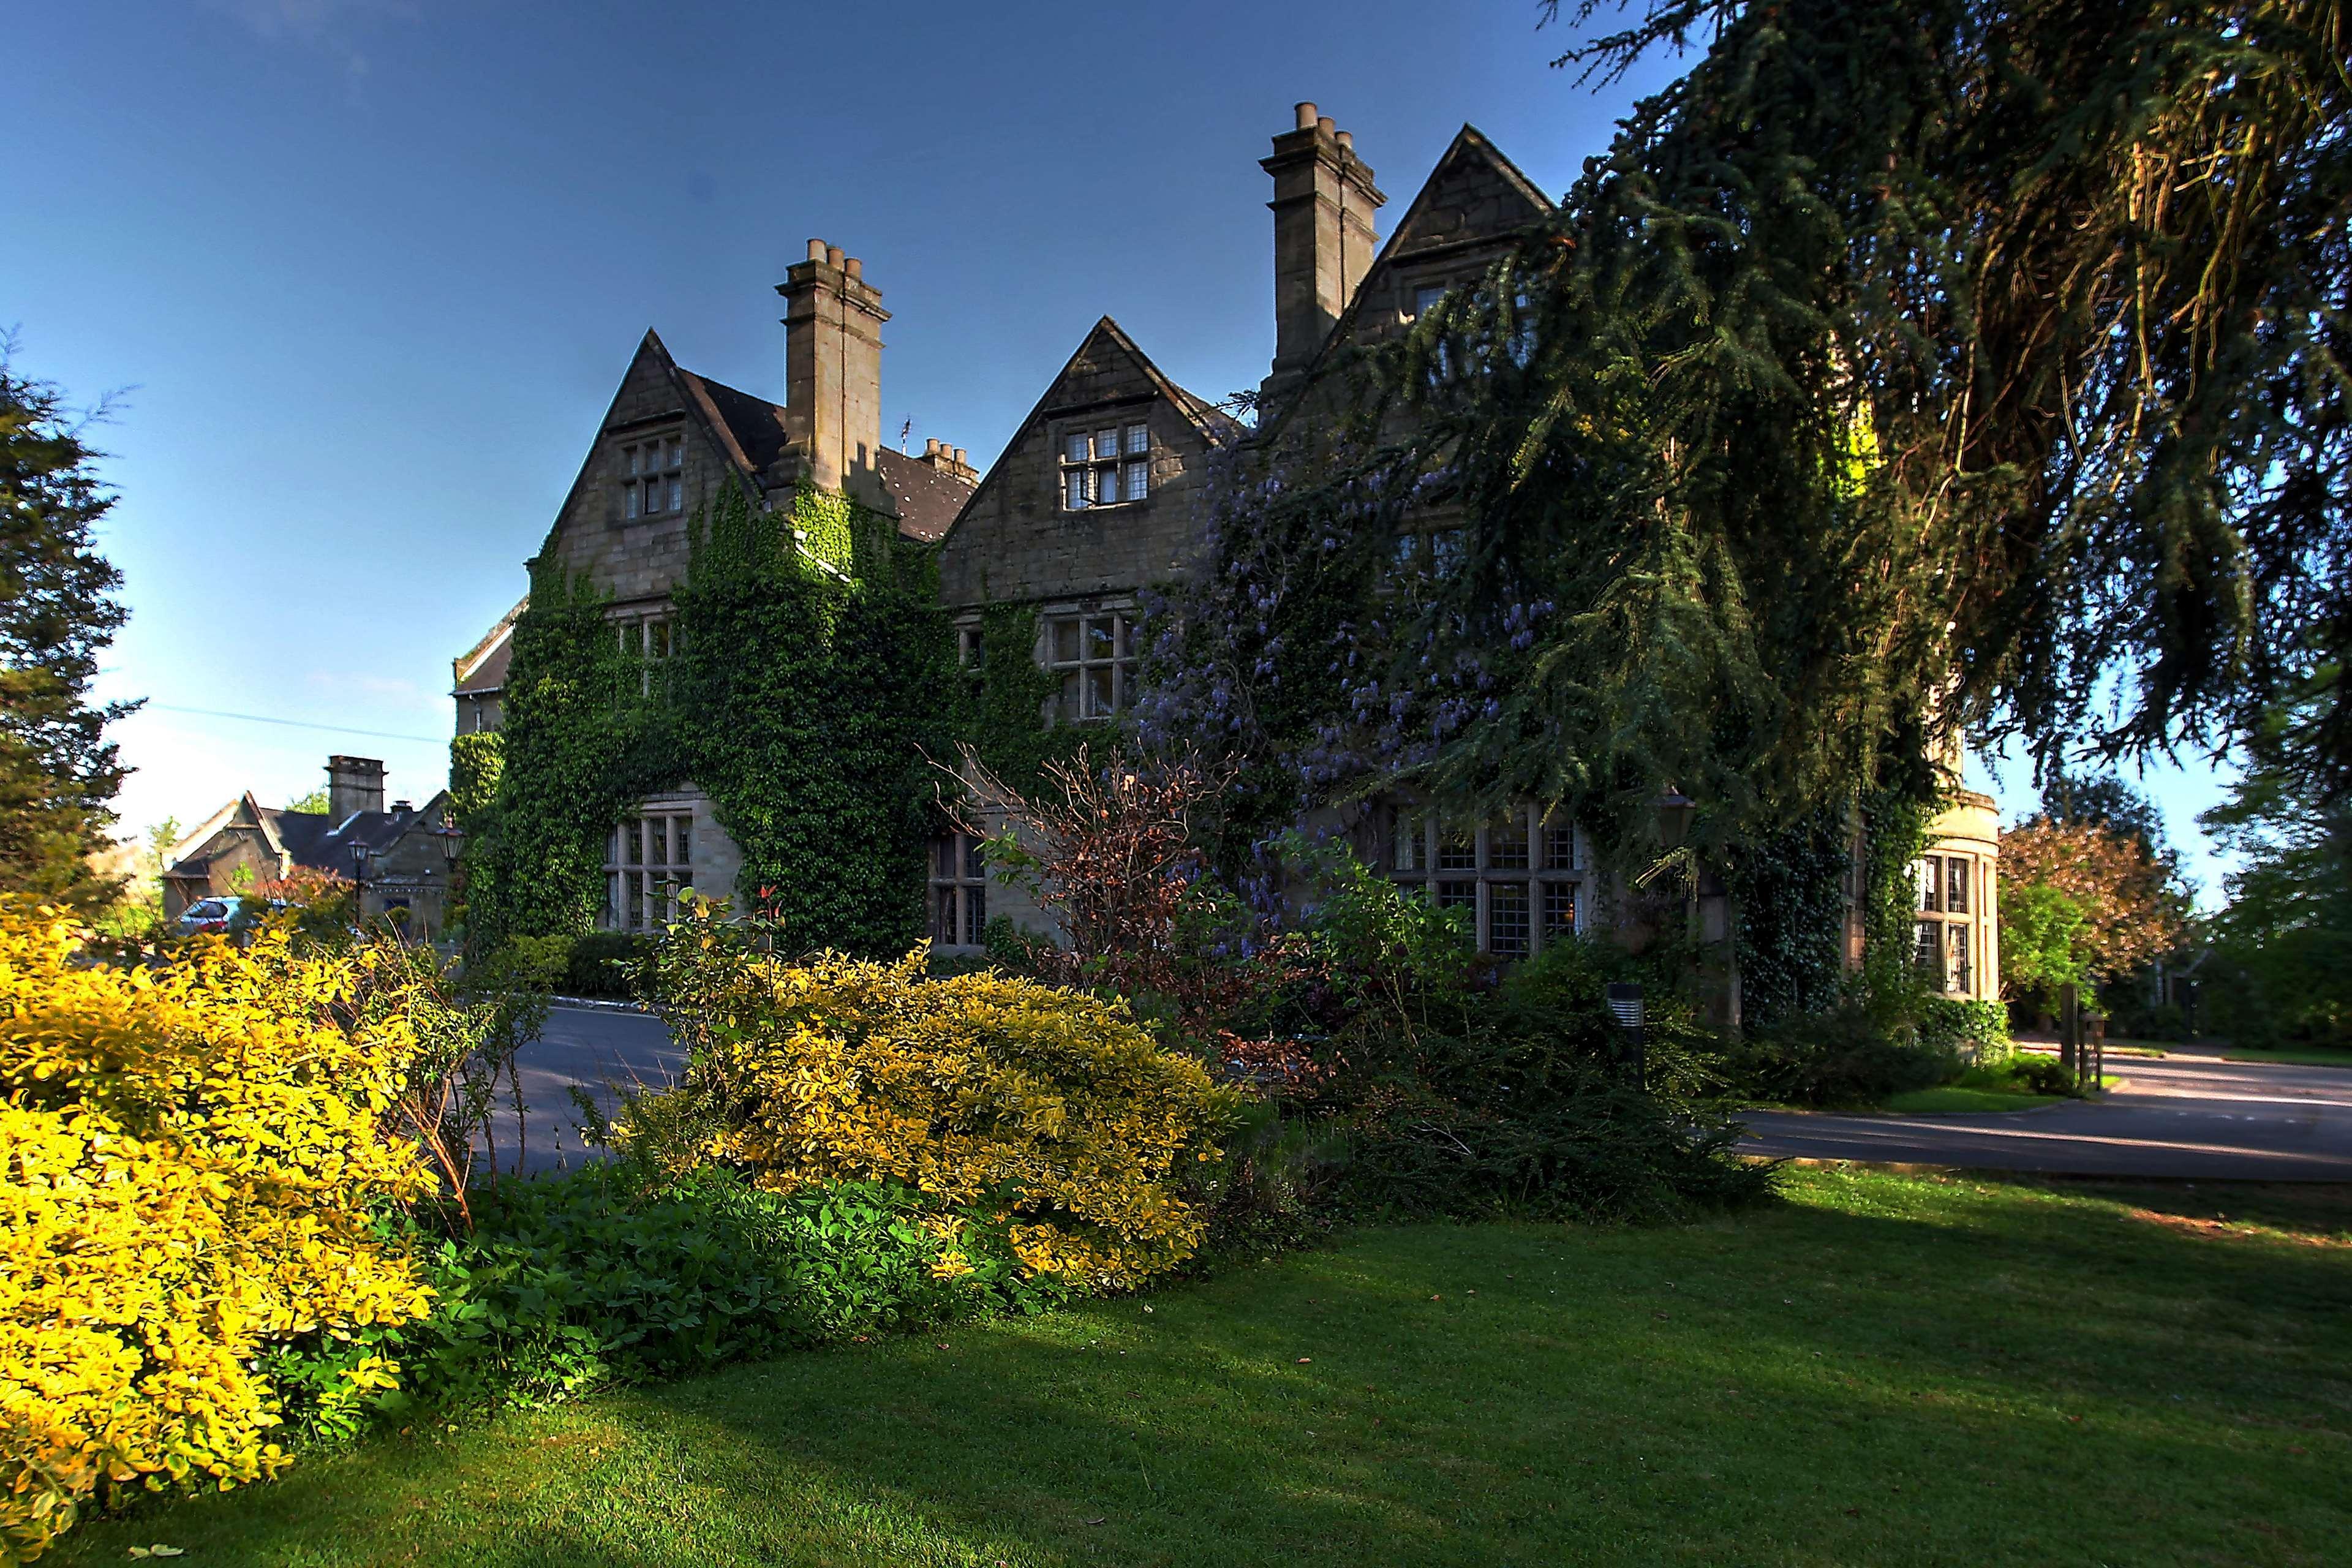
x=373, y=268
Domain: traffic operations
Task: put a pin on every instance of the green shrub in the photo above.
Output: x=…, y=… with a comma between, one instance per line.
x=544, y=961
x=2130, y=1016
x=1975, y=1032
x=2042, y=1075
x=575, y=1282
x=1853, y=1056
x=602, y=963
x=1434, y=1087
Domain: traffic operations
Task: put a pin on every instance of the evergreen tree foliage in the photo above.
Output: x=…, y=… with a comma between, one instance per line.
x=2286, y=937
x=1945, y=364
x=58, y=771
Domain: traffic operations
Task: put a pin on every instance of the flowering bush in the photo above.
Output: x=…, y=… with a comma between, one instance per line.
x=191, y=1152
x=1002, y=1096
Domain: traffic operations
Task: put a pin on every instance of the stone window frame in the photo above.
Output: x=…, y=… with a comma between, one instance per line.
x=1077, y=475
x=640, y=889
x=1418, y=295
x=648, y=636
x=971, y=650
x=1076, y=663
x=1946, y=942
x=663, y=480
x=1523, y=887
x=957, y=896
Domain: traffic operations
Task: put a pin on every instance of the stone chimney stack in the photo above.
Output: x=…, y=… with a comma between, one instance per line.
x=833, y=371
x=950, y=460
x=353, y=783
x=1325, y=206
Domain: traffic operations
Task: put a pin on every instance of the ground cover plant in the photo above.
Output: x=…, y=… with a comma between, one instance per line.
x=1883, y=1369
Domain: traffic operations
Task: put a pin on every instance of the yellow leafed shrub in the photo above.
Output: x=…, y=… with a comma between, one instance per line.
x=987, y=1093
x=187, y=1155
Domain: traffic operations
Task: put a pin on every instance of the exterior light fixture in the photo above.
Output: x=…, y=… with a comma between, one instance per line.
x=1674, y=811
x=1625, y=1007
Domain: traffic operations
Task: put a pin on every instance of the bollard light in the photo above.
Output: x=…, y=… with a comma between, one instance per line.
x=1625, y=1005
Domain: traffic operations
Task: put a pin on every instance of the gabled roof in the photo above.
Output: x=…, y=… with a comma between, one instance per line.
x=1466, y=157
x=754, y=433
x=928, y=497
x=314, y=839
x=482, y=669
x=751, y=430
x=1424, y=230
x=1212, y=422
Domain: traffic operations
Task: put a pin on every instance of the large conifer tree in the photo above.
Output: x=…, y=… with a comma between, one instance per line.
x=1903, y=362
x=58, y=771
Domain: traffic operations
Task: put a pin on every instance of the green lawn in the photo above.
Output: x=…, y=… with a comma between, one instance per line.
x=1883, y=1369
x=1946, y=1098
x=2310, y=1057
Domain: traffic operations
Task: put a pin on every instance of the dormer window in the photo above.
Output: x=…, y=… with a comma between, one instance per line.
x=654, y=480
x=1108, y=465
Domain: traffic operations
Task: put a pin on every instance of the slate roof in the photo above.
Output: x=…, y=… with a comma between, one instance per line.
x=482, y=669
x=323, y=841
x=928, y=499
x=314, y=839
x=753, y=429
x=754, y=425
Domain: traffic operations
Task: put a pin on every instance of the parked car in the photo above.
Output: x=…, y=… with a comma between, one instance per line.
x=217, y=916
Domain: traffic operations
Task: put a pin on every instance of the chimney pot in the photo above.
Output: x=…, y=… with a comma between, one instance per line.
x=854, y=266
x=1347, y=139
x=832, y=256
x=959, y=456
x=931, y=447
x=1306, y=115
x=1327, y=125
x=817, y=251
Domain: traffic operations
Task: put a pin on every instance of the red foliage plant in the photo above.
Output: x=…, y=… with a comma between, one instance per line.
x=1106, y=849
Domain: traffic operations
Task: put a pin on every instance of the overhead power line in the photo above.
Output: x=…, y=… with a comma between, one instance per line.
x=297, y=723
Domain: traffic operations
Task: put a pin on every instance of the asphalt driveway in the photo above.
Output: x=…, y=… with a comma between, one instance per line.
x=600, y=1050
x=2185, y=1115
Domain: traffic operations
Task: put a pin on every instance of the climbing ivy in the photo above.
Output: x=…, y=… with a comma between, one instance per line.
x=802, y=696
x=1895, y=821
x=1789, y=887
x=1006, y=696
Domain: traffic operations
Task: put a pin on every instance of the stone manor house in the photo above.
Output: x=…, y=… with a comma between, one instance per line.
x=1091, y=502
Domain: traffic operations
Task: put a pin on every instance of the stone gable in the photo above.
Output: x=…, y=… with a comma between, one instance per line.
x=639, y=560
x=1016, y=540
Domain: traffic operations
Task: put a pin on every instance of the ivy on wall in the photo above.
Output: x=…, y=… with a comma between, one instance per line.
x=1007, y=698
x=1895, y=820
x=802, y=696
x=1789, y=887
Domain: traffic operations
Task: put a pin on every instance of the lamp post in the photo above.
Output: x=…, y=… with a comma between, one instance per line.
x=358, y=884
x=1625, y=1007
x=451, y=842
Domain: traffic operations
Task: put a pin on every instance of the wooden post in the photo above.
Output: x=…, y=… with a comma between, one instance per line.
x=2070, y=1032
